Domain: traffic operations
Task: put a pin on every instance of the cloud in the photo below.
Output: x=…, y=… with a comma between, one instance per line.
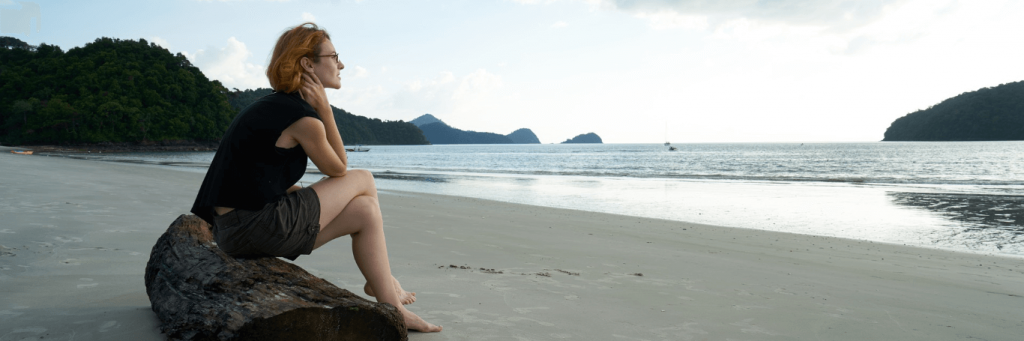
x=306, y=16
x=359, y=72
x=559, y=24
x=468, y=101
x=160, y=41
x=838, y=15
x=230, y=65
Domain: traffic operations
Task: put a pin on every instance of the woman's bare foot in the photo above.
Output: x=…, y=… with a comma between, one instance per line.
x=414, y=322
x=404, y=296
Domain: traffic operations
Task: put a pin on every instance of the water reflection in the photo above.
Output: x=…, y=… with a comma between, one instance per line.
x=980, y=221
x=409, y=177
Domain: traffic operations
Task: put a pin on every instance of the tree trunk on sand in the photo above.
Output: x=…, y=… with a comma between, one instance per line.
x=201, y=293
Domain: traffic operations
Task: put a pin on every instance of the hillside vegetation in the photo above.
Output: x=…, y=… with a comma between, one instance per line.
x=126, y=91
x=988, y=114
x=584, y=138
x=438, y=132
x=109, y=90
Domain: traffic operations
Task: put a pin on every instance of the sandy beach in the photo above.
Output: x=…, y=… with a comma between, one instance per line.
x=75, y=236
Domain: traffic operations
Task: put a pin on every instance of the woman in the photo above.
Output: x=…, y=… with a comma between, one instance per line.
x=250, y=196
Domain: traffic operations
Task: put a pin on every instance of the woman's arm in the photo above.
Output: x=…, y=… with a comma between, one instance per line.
x=313, y=92
x=319, y=138
x=311, y=134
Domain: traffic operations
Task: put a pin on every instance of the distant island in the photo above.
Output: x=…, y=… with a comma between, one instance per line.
x=988, y=114
x=438, y=132
x=134, y=93
x=585, y=138
x=354, y=129
x=523, y=136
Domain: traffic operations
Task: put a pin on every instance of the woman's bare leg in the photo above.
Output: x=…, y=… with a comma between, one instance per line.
x=348, y=206
x=405, y=296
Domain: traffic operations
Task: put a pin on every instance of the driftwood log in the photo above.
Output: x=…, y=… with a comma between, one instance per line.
x=200, y=293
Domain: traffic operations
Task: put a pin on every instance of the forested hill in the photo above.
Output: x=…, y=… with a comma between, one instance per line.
x=441, y=133
x=354, y=129
x=438, y=132
x=113, y=90
x=109, y=90
x=988, y=114
x=584, y=138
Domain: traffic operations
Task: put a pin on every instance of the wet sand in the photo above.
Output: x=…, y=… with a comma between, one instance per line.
x=75, y=236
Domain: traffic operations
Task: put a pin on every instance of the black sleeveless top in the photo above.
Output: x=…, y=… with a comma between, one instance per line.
x=249, y=171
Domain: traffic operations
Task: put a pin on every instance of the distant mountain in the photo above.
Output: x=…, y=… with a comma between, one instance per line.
x=523, y=136
x=988, y=114
x=438, y=132
x=424, y=120
x=585, y=138
x=354, y=129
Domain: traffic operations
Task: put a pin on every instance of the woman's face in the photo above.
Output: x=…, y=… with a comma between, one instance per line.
x=328, y=69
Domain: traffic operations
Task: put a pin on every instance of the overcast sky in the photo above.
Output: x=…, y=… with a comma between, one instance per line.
x=632, y=71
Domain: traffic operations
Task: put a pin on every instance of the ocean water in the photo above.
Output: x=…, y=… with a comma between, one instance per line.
x=966, y=196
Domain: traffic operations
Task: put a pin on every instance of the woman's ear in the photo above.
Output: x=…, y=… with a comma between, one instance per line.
x=307, y=64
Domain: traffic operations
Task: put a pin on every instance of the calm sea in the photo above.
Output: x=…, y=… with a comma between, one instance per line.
x=966, y=196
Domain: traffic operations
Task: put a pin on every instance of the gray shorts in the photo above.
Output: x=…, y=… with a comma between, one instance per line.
x=286, y=228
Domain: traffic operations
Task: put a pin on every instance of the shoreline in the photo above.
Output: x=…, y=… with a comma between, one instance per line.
x=77, y=236
x=121, y=147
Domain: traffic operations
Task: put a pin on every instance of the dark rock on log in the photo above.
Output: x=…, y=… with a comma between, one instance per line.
x=201, y=293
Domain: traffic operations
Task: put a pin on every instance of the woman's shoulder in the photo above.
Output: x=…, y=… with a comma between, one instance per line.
x=280, y=101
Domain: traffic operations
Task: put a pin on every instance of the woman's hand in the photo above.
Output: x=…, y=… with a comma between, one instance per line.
x=313, y=92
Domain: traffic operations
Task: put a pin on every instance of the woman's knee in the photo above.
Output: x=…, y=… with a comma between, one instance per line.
x=365, y=208
x=364, y=178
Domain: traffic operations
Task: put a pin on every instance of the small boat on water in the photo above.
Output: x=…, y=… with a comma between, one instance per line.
x=358, y=148
x=22, y=152
x=672, y=148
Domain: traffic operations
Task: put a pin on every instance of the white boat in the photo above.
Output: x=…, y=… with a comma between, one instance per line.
x=358, y=148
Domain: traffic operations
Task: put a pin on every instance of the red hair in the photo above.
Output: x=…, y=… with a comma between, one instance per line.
x=285, y=71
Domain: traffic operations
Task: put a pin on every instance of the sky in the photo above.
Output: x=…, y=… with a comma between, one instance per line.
x=632, y=71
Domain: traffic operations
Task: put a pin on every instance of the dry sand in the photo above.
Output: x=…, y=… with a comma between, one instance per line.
x=76, y=235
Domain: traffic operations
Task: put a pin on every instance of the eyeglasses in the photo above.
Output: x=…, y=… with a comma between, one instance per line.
x=335, y=56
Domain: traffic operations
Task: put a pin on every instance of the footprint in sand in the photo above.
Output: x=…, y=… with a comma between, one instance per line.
x=518, y=318
x=108, y=325
x=63, y=239
x=33, y=330
x=529, y=310
x=89, y=283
